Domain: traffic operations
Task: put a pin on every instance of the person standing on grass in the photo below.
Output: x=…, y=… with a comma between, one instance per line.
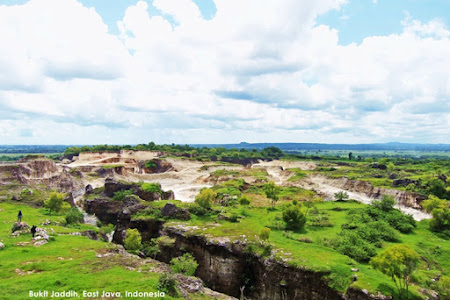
x=33, y=230
x=19, y=216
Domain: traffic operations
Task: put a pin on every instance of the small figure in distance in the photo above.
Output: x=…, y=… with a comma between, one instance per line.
x=33, y=230
x=19, y=216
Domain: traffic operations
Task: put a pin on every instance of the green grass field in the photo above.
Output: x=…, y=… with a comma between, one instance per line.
x=66, y=263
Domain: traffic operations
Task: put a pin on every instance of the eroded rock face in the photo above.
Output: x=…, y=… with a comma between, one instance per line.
x=225, y=267
x=403, y=198
x=39, y=171
x=161, y=166
x=112, y=186
x=105, y=209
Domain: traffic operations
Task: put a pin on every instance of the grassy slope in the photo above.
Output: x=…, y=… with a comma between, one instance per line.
x=317, y=257
x=67, y=263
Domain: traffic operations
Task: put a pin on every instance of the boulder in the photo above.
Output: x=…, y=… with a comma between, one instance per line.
x=403, y=182
x=89, y=189
x=172, y=211
x=19, y=226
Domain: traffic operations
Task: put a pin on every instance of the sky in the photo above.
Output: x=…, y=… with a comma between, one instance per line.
x=224, y=71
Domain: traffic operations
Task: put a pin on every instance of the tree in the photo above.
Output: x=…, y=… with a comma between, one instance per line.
x=398, y=262
x=272, y=190
x=440, y=212
x=55, y=202
x=350, y=155
x=133, y=240
x=341, y=196
x=205, y=198
x=293, y=217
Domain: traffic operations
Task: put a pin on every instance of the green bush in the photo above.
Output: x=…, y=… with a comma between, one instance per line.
x=185, y=264
x=264, y=234
x=341, y=196
x=167, y=283
x=150, y=164
x=133, y=240
x=152, y=187
x=197, y=210
x=205, y=198
x=151, y=249
x=293, y=217
x=120, y=195
x=74, y=216
x=354, y=246
x=385, y=204
x=55, y=202
x=244, y=200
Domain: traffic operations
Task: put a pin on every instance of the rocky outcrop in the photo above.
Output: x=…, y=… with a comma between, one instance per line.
x=404, y=198
x=112, y=186
x=173, y=212
x=39, y=171
x=246, y=162
x=104, y=209
x=226, y=267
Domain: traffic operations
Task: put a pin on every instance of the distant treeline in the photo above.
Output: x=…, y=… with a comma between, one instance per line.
x=19, y=149
x=350, y=147
x=199, y=153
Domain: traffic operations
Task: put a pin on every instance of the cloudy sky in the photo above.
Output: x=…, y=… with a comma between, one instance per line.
x=224, y=71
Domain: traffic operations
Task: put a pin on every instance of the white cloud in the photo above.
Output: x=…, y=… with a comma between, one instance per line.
x=257, y=71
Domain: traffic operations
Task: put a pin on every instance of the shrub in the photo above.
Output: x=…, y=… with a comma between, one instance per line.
x=55, y=202
x=133, y=240
x=385, y=204
x=341, y=196
x=185, y=264
x=272, y=190
x=293, y=217
x=197, y=210
x=244, y=200
x=401, y=222
x=264, y=234
x=233, y=218
x=152, y=187
x=354, y=246
x=74, y=216
x=120, y=195
x=167, y=283
x=205, y=198
x=305, y=239
x=150, y=249
x=150, y=164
